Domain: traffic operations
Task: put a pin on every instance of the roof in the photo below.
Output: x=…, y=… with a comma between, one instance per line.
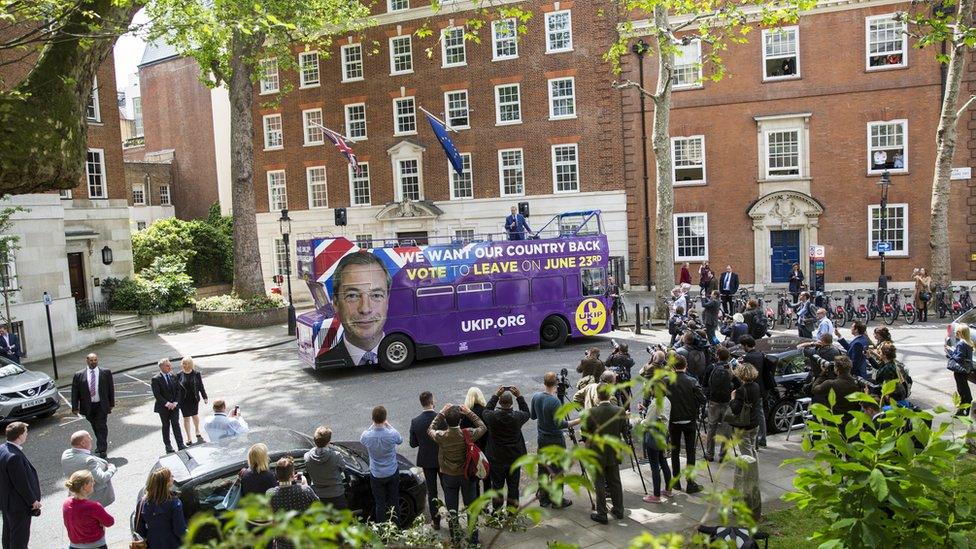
x=156, y=52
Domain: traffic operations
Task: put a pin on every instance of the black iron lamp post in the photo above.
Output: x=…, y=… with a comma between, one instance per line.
x=882, y=244
x=285, y=224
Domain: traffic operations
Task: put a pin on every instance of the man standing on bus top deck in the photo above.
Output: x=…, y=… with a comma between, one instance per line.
x=361, y=297
x=516, y=225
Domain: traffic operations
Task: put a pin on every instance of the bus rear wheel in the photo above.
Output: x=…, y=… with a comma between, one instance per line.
x=396, y=352
x=553, y=333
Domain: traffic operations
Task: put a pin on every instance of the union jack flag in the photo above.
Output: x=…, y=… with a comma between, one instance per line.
x=343, y=148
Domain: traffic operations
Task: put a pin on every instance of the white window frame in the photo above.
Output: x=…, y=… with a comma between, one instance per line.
x=346, y=64
x=324, y=183
x=396, y=116
x=867, y=44
x=697, y=66
x=364, y=167
x=272, y=207
x=552, y=99
x=453, y=177
x=497, y=40
x=555, y=164
x=267, y=85
x=349, y=121
x=795, y=29
x=501, y=171
x=905, y=232
x=279, y=255
x=674, y=227
x=799, y=153
x=444, y=46
x=904, y=128
x=303, y=83
x=464, y=236
x=141, y=187
x=138, y=126
x=103, y=183
x=94, y=100
x=498, y=105
x=398, y=176
x=467, y=109
x=393, y=55
x=364, y=241
x=390, y=5
x=308, y=129
x=65, y=194
x=674, y=162
x=569, y=20
x=268, y=135
x=165, y=198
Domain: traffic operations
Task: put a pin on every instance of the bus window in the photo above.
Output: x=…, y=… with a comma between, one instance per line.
x=512, y=292
x=319, y=296
x=548, y=288
x=475, y=295
x=593, y=281
x=437, y=299
x=401, y=303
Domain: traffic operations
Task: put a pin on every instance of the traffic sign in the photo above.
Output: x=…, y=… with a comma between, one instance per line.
x=883, y=247
x=816, y=252
x=47, y=299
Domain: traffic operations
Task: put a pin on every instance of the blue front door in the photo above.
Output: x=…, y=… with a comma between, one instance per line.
x=786, y=252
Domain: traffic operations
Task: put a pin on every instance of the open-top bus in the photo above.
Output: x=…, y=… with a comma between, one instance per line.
x=400, y=302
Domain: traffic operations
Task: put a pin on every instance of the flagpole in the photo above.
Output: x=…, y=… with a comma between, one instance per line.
x=430, y=114
x=310, y=123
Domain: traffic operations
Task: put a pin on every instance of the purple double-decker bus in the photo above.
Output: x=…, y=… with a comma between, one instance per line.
x=399, y=302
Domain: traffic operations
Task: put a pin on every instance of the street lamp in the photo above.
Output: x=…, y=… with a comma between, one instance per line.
x=640, y=48
x=285, y=224
x=882, y=244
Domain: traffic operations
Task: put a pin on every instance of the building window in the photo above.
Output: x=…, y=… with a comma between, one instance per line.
x=95, y=171
x=511, y=172
x=504, y=39
x=887, y=42
x=691, y=237
x=461, y=185
x=397, y=5
x=140, y=225
x=565, y=168
x=8, y=272
x=687, y=66
x=164, y=199
x=356, y=121
x=781, y=53
x=318, y=192
x=65, y=194
x=280, y=257
x=364, y=241
x=456, y=109
x=782, y=153
x=559, y=31
x=92, y=111
x=139, y=195
x=688, y=159
x=404, y=116
x=888, y=146
x=401, y=55
x=277, y=192
x=562, y=98
x=464, y=236
x=312, y=125
x=273, y=135
x=352, y=63
x=137, y=117
x=408, y=179
x=308, y=69
x=452, y=47
x=895, y=229
x=508, y=104
x=359, y=185
x=269, y=76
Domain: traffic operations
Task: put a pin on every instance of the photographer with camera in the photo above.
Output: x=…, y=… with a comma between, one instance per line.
x=694, y=349
x=711, y=306
x=589, y=396
x=676, y=323
x=222, y=425
x=755, y=319
x=620, y=363
x=542, y=408
x=606, y=419
x=591, y=366
x=805, y=319
x=736, y=329
x=505, y=441
x=719, y=392
x=687, y=399
x=837, y=377
x=767, y=381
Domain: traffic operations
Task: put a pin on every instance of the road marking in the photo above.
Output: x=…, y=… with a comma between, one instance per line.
x=136, y=379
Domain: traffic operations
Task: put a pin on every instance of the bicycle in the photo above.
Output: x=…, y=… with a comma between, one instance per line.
x=965, y=300
x=861, y=311
x=849, y=308
x=768, y=311
x=871, y=306
x=908, y=309
x=941, y=305
x=786, y=314
x=891, y=308
x=839, y=314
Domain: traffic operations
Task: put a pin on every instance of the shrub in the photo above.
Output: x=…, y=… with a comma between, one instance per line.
x=166, y=237
x=206, y=250
x=163, y=287
x=232, y=303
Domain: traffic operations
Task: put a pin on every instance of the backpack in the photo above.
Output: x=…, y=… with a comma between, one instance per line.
x=475, y=463
x=904, y=380
x=759, y=325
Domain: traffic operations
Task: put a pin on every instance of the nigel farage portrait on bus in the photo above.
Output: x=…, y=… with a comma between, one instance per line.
x=361, y=299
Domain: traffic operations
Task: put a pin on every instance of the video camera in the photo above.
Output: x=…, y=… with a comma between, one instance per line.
x=562, y=384
x=651, y=349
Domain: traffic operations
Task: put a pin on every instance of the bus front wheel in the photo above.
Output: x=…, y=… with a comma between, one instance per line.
x=396, y=352
x=553, y=333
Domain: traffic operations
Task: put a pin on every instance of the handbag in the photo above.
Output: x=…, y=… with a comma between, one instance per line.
x=137, y=541
x=925, y=296
x=965, y=367
x=742, y=419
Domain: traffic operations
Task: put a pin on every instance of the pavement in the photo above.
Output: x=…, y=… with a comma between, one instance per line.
x=256, y=369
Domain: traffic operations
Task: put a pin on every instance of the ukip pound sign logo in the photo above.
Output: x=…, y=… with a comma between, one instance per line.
x=591, y=316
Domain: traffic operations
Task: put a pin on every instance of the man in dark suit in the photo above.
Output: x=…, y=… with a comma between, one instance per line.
x=361, y=299
x=93, y=395
x=427, y=452
x=506, y=444
x=168, y=392
x=606, y=419
x=9, y=345
x=20, y=492
x=728, y=285
x=516, y=225
x=710, y=308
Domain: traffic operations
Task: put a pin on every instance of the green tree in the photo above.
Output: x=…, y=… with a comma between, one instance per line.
x=229, y=39
x=9, y=243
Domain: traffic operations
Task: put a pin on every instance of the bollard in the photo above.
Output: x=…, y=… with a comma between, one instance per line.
x=637, y=320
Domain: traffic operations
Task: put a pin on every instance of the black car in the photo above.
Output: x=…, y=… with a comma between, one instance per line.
x=792, y=373
x=204, y=473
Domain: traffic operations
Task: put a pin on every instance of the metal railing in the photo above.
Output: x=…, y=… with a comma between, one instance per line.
x=90, y=314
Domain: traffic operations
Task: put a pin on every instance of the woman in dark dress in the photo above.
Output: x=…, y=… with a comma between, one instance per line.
x=796, y=282
x=475, y=401
x=161, y=522
x=192, y=383
x=256, y=478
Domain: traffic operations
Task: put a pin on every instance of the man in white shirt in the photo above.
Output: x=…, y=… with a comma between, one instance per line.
x=221, y=426
x=824, y=324
x=79, y=458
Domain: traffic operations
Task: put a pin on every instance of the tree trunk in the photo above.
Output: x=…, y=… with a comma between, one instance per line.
x=945, y=148
x=661, y=139
x=248, y=277
x=43, y=132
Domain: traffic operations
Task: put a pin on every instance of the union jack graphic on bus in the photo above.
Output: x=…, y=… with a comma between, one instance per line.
x=343, y=148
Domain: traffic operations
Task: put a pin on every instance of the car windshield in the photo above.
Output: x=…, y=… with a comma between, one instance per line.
x=969, y=317
x=10, y=369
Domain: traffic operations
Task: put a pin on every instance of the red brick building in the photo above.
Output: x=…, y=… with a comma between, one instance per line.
x=787, y=151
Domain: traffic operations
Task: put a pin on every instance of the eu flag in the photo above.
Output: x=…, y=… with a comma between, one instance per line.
x=453, y=156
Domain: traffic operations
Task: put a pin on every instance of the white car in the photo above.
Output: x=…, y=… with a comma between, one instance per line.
x=25, y=394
